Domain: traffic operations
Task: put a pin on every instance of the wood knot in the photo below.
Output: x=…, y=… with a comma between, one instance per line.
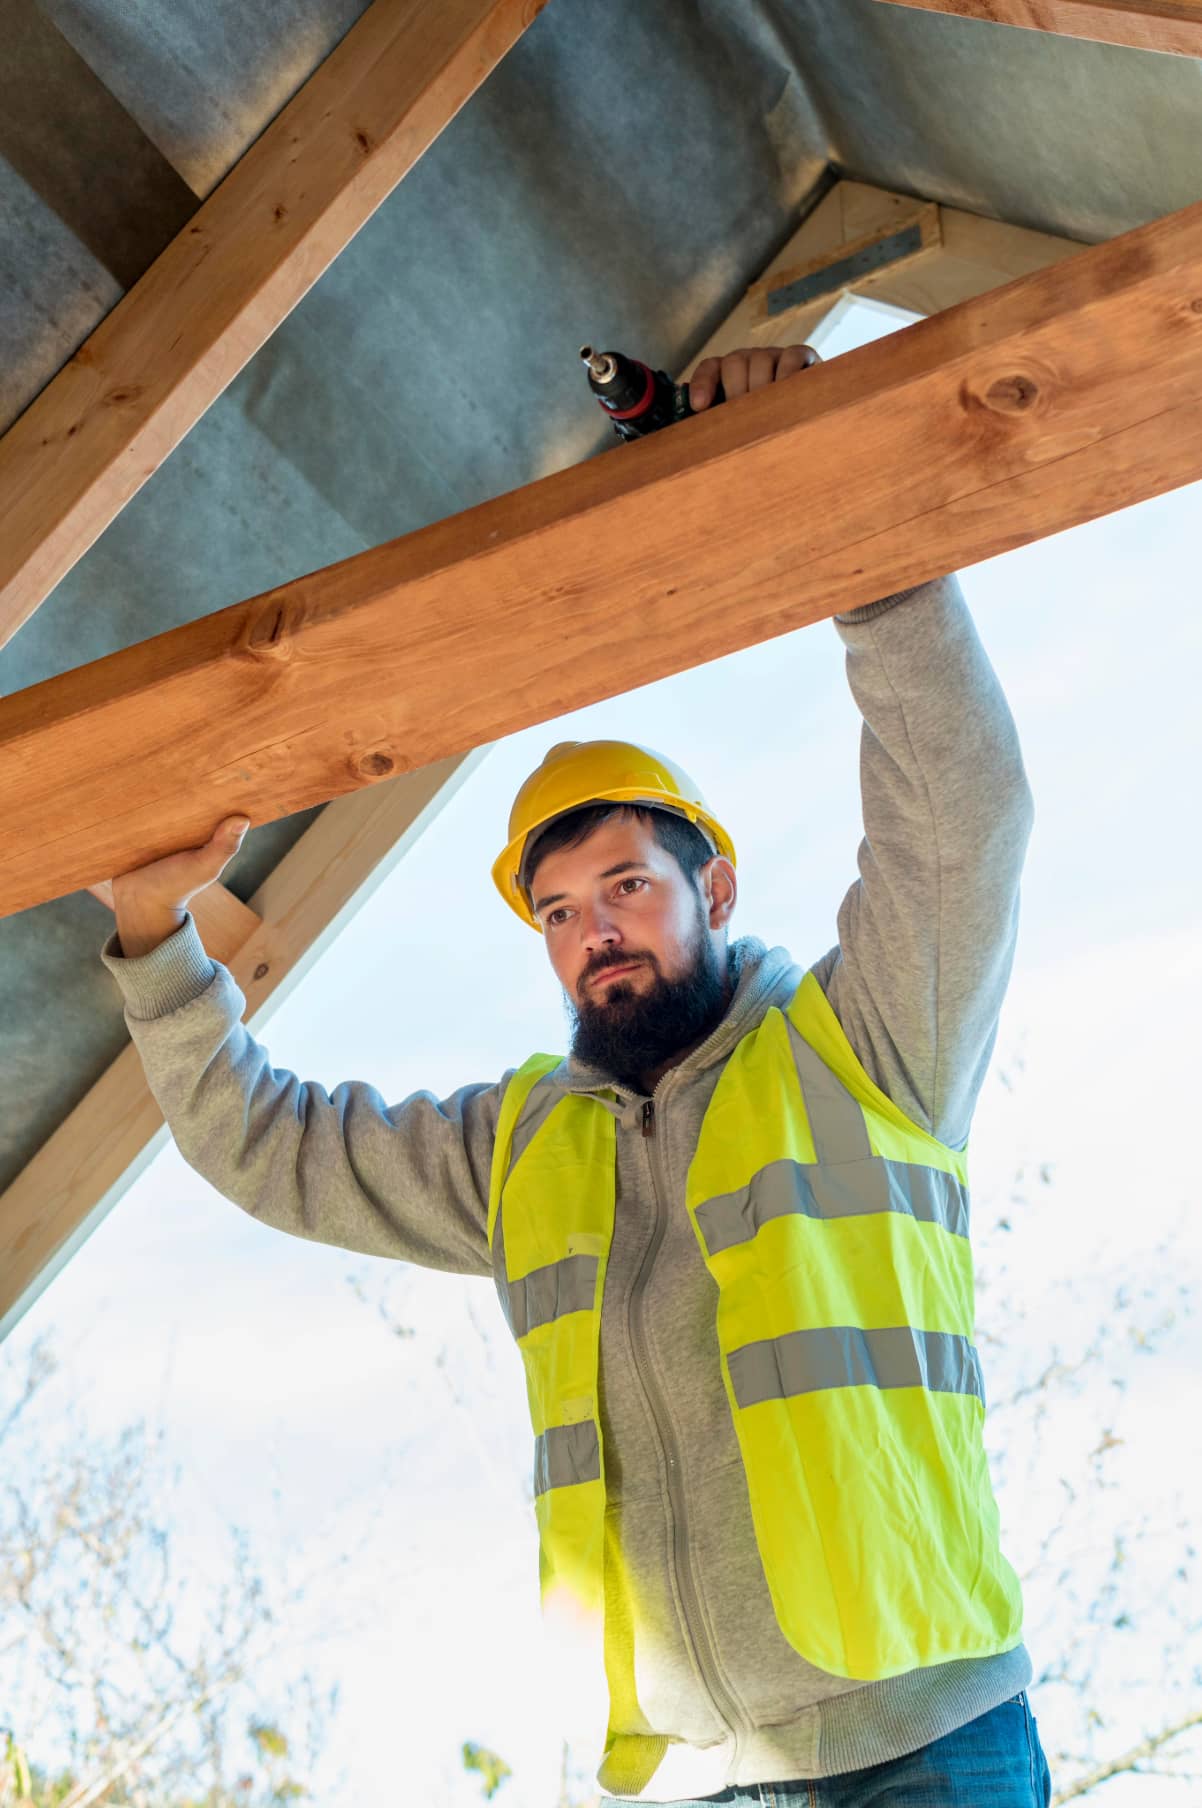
x=1195, y=307
x=262, y=970
x=269, y=626
x=363, y=140
x=279, y=212
x=117, y=398
x=374, y=765
x=1012, y=395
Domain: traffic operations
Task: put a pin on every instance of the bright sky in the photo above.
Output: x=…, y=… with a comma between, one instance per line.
x=295, y=1412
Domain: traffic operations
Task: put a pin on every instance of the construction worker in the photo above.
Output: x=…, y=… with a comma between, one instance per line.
x=729, y=1234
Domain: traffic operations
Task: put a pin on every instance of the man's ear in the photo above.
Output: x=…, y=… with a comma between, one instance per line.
x=719, y=890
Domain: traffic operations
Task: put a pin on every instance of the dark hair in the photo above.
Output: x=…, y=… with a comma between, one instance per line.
x=675, y=834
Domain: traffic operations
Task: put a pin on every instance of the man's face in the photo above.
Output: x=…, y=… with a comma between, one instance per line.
x=638, y=948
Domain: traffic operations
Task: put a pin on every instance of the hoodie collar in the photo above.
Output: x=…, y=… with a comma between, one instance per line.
x=757, y=971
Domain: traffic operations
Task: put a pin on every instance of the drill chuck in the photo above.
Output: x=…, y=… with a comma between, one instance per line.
x=637, y=399
x=602, y=365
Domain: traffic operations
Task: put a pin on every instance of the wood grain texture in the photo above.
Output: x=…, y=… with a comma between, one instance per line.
x=1167, y=25
x=100, y=1148
x=1064, y=395
x=285, y=211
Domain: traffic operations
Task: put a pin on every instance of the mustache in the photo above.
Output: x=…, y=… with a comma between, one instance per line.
x=614, y=960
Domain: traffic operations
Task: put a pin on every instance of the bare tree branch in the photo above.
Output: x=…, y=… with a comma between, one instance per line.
x=1128, y=1760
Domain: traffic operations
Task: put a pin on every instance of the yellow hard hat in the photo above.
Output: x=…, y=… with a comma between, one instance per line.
x=576, y=773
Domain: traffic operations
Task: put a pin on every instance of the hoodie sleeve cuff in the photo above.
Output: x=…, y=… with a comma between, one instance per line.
x=871, y=610
x=166, y=979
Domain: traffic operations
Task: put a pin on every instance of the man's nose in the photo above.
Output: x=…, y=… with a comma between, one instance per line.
x=599, y=929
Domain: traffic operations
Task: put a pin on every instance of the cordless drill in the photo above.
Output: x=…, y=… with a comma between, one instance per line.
x=637, y=399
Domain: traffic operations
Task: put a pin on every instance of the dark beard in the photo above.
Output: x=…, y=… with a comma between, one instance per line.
x=633, y=1033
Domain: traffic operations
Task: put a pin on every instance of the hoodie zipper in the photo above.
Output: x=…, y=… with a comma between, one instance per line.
x=682, y=1563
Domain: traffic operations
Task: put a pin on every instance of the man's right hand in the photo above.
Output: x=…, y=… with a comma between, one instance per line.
x=151, y=902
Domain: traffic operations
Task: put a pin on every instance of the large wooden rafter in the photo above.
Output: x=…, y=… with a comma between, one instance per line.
x=1067, y=394
x=1166, y=25
x=288, y=207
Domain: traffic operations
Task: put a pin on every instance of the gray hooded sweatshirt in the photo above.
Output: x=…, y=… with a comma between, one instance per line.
x=925, y=944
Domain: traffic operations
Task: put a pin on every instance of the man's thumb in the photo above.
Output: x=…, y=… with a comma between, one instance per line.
x=225, y=841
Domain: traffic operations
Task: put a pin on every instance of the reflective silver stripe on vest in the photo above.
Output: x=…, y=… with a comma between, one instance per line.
x=836, y=1121
x=802, y=1362
x=564, y=1454
x=847, y=1191
x=550, y=1292
x=540, y=1102
x=500, y=1278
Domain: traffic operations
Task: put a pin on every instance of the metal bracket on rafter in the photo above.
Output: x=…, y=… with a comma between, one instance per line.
x=848, y=265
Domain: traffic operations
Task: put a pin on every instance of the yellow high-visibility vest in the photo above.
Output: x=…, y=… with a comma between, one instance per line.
x=836, y=1230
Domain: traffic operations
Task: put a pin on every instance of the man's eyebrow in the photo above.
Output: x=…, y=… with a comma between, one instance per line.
x=611, y=872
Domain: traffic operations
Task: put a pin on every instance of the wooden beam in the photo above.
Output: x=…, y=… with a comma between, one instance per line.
x=1063, y=396
x=1071, y=392
x=285, y=211
x=1168, y=25
x=97, y=1152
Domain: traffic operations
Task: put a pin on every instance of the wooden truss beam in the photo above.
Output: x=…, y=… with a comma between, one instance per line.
x=146, y=375
x=97, y=1152
x=1063, y=396
x=1169, y=25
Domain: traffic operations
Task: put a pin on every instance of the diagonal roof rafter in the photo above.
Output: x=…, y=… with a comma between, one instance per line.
x=1173, y=26
x=143, y=379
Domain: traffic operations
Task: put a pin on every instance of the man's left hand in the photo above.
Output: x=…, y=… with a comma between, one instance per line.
x=751, y=368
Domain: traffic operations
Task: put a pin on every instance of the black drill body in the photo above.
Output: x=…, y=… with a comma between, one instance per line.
x=637, y=399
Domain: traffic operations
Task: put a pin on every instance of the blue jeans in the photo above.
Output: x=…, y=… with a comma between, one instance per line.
x=995, y=1761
